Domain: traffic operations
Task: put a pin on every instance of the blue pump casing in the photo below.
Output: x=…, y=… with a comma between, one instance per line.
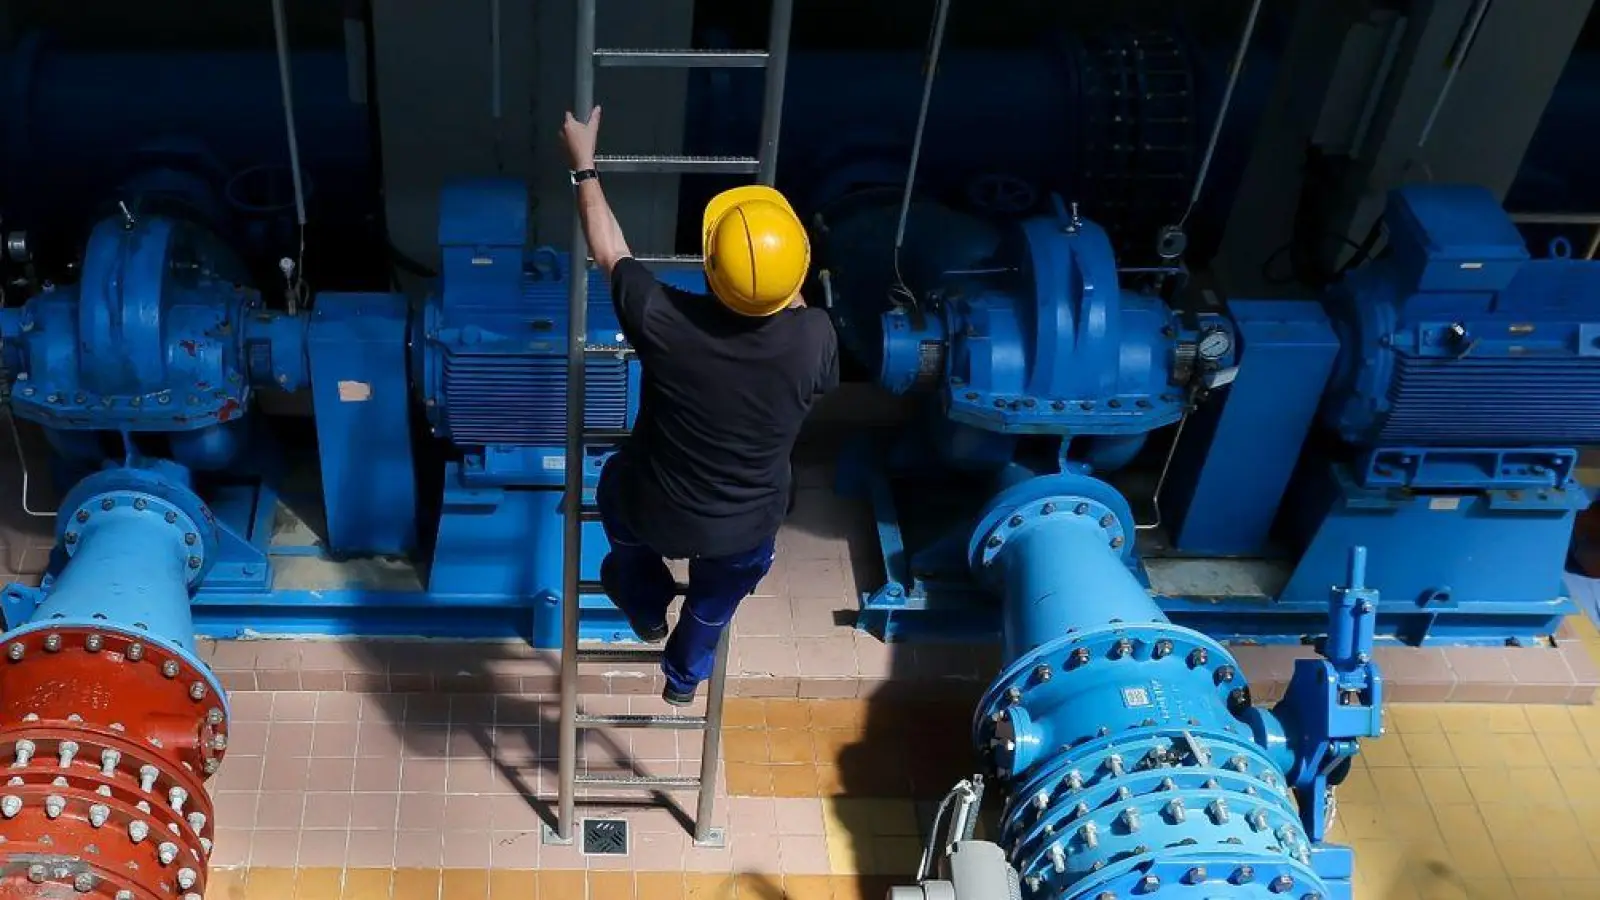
x=1020, y=329
x=1131, y=757
x=1050, y=345
x=156, y=336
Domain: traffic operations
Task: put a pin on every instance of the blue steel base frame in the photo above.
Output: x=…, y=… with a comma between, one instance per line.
x=929, y=594
x=1132, y=758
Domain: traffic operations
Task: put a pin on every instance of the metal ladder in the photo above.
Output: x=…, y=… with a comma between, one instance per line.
x=575, y=512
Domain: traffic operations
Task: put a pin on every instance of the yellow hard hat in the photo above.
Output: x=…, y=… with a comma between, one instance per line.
x=756, y=251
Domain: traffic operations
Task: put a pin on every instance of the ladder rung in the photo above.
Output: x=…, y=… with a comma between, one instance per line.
x=667, y=260
x=642, y=720
x=679, y=782
x=668, y=164
x=680, y=59
x=619, y=653
x=605, y=435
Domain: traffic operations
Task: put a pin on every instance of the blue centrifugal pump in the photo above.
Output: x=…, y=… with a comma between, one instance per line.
x=1430, y=405
x=157, y=355
x=1130, y=755
x=1029, y=353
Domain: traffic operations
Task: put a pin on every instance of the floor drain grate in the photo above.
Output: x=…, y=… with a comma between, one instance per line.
x=605, y=837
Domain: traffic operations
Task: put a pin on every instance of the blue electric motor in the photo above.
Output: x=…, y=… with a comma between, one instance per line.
x=490, y=361
x=1453, y=379
x=1131, y=756
x=1460, y=339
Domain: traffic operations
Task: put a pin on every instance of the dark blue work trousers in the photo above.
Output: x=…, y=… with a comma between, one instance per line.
x=645, y=589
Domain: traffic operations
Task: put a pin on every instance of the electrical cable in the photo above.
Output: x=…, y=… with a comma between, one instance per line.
x=935, y=46
x=280, y=28
x=1222, y=111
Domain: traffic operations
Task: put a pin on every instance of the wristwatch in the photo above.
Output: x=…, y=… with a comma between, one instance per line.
x=582, y=175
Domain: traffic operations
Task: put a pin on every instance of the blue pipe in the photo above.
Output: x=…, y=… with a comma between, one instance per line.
x=74, y=123
x=1113, y=730
x=137, y=541
x=849, y=116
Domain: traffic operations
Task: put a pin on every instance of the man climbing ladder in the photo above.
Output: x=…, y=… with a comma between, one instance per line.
x=728, y=380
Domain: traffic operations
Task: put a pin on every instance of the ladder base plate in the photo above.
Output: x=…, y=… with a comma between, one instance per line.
x=716, y=839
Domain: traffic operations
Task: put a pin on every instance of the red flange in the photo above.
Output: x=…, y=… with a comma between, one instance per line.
x=106, y=741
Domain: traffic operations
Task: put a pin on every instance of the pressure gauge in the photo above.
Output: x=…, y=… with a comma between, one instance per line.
x=1215, y=344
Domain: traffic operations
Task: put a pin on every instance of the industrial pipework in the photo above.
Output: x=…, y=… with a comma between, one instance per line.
x=111, y=720
x=1031, y=351
x=1132, y=760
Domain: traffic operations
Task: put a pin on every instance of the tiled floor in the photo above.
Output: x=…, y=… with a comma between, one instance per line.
x=346, y=795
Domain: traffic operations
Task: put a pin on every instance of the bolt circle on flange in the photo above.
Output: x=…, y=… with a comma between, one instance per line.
x=106, y=788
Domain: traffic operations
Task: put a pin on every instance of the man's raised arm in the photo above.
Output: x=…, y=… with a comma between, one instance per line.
x=600, y=228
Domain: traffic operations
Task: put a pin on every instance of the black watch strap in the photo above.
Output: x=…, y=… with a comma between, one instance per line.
x=582, y=175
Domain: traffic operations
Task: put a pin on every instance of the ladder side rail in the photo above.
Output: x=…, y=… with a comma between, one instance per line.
x=711, y=743
x=772, y=100
x=572, y=498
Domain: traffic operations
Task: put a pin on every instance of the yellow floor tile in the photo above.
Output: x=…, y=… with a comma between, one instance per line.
x=466, y=884
x=869, y=816
x=415, y=884
x=558, y=884
x=1386, y=752
x=229, y=884
x=367, y=884
x=699, y=886
x=319, y=884
x=1429, y=750
x=611, y=886
x=651, y=885
x=808, y=887
x=270, y=884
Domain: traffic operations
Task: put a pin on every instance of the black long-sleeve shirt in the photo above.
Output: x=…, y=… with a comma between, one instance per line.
x=706, y=470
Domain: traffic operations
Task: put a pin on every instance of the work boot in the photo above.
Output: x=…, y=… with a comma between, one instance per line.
x=677, y=698
x=650, y=634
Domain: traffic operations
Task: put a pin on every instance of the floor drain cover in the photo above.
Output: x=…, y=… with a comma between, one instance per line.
x=605, y=837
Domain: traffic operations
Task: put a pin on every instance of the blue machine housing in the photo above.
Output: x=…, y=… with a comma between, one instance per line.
x=1450, y=380
x=1431, y=405
x=161, y=338
x=1029, y=357
x=164, y=339
x=77, y=125
x=1130, y=753
x=151, y=364
x=491, y=364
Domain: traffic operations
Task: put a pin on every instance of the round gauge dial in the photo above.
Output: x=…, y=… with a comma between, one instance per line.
x=1215, y=344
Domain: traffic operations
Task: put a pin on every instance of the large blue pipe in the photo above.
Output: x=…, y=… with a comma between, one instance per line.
x=76, y=124
x=138, y=539
x=849, y=117
x=1125, y=743
x=101, y=686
